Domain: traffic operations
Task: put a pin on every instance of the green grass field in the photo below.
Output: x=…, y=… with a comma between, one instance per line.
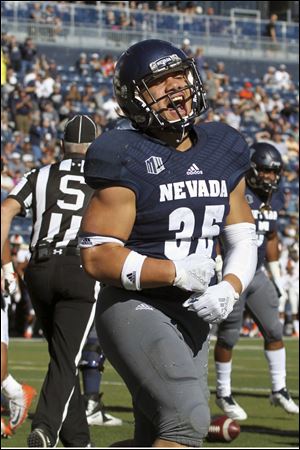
x=266, y=426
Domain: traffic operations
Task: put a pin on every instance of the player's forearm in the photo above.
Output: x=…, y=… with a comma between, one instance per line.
x=5, y=225
x=9, y=209
x=105, y=263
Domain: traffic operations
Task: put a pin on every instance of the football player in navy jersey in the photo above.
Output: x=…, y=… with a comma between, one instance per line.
x=164, y=190
x=261, y=298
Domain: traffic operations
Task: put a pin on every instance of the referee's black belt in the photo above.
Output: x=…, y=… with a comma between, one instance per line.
x=39, y=253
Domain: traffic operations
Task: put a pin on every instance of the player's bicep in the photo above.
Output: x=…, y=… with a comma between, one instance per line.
x=240, y=211
x=110, y=212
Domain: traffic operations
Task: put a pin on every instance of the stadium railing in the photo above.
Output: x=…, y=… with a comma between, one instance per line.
x=101, y=26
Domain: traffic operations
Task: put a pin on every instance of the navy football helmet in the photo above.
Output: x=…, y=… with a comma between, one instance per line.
x=141, y=65
x=264, y=158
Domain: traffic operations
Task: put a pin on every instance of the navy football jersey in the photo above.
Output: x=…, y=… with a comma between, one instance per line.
x=182, y=198
x=265, y=220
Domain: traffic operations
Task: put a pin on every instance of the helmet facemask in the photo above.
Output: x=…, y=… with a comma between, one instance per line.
x=183, y=122
x=265, y=186
x=256, y=181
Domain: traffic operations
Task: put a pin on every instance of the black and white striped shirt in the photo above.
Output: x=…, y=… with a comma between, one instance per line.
x=57, y=195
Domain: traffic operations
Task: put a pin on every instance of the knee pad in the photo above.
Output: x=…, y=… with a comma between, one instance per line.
x=228, y=338
x=192, y=428
x=274, y=334
x=200, y=420
x=92, y=356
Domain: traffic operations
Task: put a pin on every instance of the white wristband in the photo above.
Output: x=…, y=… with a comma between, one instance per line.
x=131, y=271
x=275, y=269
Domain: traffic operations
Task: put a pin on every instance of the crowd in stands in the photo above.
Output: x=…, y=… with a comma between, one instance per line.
x=38, y=96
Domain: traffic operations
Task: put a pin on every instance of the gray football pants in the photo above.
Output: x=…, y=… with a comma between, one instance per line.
x=261, y=300
x=165, y=376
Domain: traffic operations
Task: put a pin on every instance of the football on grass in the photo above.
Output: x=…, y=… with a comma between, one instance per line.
x=223, y=429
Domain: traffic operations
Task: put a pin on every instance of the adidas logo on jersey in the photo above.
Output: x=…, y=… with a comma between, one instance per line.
x=143, y=306
x=194, y=170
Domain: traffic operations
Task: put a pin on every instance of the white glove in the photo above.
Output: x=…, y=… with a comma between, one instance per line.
x=215, y=304
x=10, y=278
x=194, y=272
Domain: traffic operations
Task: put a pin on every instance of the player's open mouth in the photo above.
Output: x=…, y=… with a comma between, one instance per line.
x=177, y=105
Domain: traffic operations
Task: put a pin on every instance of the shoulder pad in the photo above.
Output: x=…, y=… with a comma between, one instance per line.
x=231, y=151
x=106, y=160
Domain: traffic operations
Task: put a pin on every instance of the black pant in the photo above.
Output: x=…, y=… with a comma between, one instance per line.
x=62, y=295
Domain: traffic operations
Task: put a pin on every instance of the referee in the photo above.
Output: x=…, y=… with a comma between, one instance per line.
x=62, y=294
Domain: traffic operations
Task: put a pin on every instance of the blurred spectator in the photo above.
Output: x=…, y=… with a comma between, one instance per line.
x=50, y=113
x=66, y=110
x=15, y=56
x=278, y=142
x=291, y=231
x=49, y=17
x=233, y=118
x=186, y=47
x=283, y=78
x=100, y=97
x=15, y=164
x=290, y=112
x=269, y=79
x=247, y=91
x=29, y=53
x=257, y=114
x=292, y=146
x=35, y=17
x=274, y=101
x=107, y=66
x=95, y=63
x=36, y=135
x=28, y=161
x=23, y=109
x=212, y=85
x=112, y=109
x=52, y=69
x=220, y=74
x=199, y=58
x=44, y=84
x=74, y=95
x=56, y=97
x=82, y=65
x=270, y=31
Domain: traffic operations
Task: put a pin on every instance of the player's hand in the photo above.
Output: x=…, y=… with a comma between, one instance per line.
x=215, y=304
x=194, y=272
x=10, y=279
